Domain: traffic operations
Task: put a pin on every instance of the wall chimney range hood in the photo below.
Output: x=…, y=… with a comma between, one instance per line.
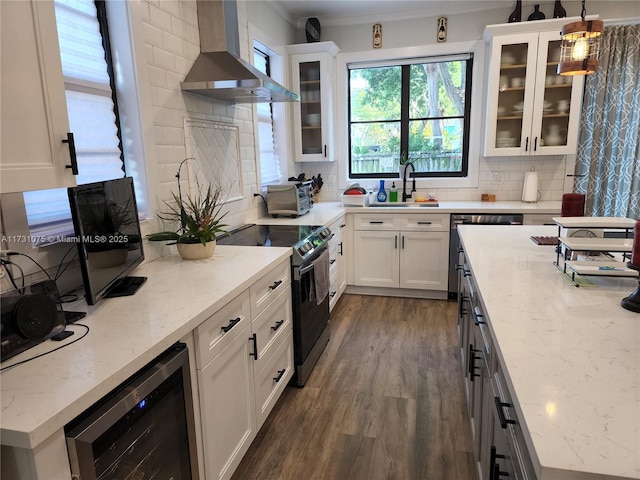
x=219, y=72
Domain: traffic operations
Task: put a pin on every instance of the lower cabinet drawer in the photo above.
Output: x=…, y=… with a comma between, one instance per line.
x=221, y=328
x=265, y=290
x=270, y=325
x=274, y=376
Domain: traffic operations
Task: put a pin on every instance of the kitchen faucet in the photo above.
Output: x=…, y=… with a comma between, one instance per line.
x=406, y=195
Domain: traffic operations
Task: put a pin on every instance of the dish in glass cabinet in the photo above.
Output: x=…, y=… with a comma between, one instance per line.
x=507, y=59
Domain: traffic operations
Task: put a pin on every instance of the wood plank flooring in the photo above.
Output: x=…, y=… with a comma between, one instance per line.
x=385, y=401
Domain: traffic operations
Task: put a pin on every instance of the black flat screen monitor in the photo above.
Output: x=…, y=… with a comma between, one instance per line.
x=105, y=219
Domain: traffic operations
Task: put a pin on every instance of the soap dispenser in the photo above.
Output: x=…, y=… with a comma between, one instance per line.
x=382, y=193
x=393, y=193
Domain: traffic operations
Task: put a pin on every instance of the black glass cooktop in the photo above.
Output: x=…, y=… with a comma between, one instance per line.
x=268, y=235
x=306, y=240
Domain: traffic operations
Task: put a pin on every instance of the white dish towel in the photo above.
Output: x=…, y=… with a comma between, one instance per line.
x=321, y=276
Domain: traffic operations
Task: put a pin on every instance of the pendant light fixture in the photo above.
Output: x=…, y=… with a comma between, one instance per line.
x=580, y=49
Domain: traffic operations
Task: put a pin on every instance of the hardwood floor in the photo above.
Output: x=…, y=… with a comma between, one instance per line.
x=385, y=401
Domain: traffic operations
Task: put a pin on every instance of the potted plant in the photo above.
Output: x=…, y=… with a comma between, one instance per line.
x=199, y=218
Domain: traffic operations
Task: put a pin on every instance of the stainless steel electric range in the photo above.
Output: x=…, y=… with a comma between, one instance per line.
x=309, y=267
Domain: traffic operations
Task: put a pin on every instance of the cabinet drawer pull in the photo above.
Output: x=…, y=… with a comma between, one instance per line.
x=343, y=225
x=494, y=467
x=402, y=242
x=332, y=261
x=471, y=365
x=478, y=318
x=277, y=325
x=500, y=408
x=425, y=223
x=332, y=294
x=254, y=340
x=72, y=153
x=232, y=323
x=325, y=151
x=395, y=242
x=340, y=251
x=461, y=310
x=275, y=285
x=376, y=222
x=279, y=376
x=535, y=144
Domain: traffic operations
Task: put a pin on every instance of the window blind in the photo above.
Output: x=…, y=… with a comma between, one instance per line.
x=91, y=114
x=269, y=163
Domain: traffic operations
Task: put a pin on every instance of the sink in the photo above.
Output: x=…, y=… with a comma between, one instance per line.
x=406, y=205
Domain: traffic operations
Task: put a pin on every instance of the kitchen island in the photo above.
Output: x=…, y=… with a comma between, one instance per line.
x=570, y=355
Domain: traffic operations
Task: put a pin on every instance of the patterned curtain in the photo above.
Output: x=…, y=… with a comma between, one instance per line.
x=609, y=144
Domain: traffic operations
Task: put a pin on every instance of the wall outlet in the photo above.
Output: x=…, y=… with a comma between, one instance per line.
x=497, y=178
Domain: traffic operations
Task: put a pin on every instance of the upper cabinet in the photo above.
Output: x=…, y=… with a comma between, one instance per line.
x=531, y=110
x=34, y=111
x=313, y=75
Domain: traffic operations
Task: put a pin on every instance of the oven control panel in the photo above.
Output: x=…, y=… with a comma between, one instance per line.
x=310, y=247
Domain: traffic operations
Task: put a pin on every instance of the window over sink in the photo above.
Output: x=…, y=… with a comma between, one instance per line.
x=418, y=106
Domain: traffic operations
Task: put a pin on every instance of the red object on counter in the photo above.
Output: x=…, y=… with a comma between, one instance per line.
x=635, y=251
x=572, y=205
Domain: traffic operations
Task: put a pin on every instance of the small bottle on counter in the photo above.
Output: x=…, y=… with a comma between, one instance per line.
x=382, y=193
x=393, y=193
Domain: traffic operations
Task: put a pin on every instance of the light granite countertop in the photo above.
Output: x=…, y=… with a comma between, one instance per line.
x=571, y=355
x=323, y=213
x=39, y=397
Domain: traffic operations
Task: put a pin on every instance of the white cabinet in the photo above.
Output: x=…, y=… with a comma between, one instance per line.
x=244, y=360
x=337, y=263
x=34, y=111
x=313, y=75
x=531, y=110
x=401, y=251
x=227, y=409
x=376, y=258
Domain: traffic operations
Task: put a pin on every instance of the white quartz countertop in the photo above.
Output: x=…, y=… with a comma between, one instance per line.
x=39, y=397
x=550, y=207
x=323, y=213
x=571, y=355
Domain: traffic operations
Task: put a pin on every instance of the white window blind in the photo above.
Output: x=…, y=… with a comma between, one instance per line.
x=269, y=163
x=91, y=115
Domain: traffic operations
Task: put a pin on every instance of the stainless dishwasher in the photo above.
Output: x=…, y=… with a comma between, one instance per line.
x=454, y=239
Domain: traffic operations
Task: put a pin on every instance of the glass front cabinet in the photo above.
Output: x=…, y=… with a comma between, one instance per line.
x=313, y=75
x=531, y=110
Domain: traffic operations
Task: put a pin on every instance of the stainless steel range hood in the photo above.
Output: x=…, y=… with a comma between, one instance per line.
x=219, y=72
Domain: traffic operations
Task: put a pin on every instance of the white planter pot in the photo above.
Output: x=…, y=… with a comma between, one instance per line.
x=196, y=251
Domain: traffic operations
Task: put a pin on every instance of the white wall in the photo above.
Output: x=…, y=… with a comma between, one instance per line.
x=462, y=27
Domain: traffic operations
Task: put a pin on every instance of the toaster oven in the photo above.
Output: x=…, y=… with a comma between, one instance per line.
x=292, y=199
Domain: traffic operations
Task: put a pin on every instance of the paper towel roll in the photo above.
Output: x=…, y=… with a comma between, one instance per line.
x=530, y=189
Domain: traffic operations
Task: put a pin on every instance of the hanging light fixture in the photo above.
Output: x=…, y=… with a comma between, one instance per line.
x=580, y=49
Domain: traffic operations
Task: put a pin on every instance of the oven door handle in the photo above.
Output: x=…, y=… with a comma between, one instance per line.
x=303, y=270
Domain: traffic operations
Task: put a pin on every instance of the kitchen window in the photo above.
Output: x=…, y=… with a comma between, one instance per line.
x=418, y=106
x=90, y=88
x=269, y=164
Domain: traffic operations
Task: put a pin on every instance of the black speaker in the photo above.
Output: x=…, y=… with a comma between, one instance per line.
x=29, y=319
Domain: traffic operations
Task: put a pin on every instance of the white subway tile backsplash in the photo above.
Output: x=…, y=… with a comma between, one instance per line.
x=164, y=154
x=152, y=35
x=188, y=13
x=173, y=43
x=157, y=76
x=160, y=18
x=164, y=59
x=171, y=7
